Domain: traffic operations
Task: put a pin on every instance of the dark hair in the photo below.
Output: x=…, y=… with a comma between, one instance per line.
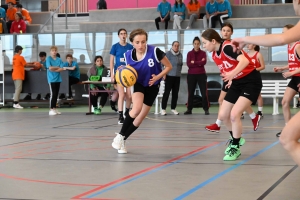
x=121, y=29
x=228, y=24
x=176, y=4
x=191, y=2
x=175, y=42
x=57, y=55
x=69, y=56
x=196, y=38
x=211, y=34
x=20, y=15
x=42, y=54
x=137, y=32
x=289, y=26
x=256, y=48
x=19, y=6
x=96, y=57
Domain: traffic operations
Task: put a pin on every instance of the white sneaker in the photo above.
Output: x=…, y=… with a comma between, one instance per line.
x=52, y=112
x=118, y=142
x=59, y=113
x=163, y=112
x=123, y=149
x=17, y=106
x=70, y=98
x=175, y=112
x=188, y=27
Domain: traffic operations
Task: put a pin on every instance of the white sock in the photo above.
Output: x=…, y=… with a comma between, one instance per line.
x=252, y=115
x=260, y=109
x=218, y=122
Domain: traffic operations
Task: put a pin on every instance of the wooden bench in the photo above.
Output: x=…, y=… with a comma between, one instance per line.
x=275, y=89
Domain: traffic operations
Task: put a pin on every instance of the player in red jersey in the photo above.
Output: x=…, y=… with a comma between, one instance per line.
x=244, y=84
x=259, y=62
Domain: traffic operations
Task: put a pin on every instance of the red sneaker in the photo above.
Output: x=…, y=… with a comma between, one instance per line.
x=213, y=128
x=255, y=122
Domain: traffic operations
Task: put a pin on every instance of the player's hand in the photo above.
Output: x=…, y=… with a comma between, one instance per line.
x=192, y=61
x=277, y=69
x=228, y=84
x=227, y=76
x=237, y=44
x=153, y=80
x=287, y=74
x=164, y=77
x=94, y=93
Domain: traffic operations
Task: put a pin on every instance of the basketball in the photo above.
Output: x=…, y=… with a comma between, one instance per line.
x=126, y=76
x=37, y=65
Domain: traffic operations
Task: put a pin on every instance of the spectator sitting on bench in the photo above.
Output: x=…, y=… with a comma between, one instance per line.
x=193, y=8
x=24, y=13
x=223, y=12
x=10, y=15
x=19, y=25
x=74, y=73
x=3, y=29
x=164, y=9
x=18, y=74
x=96, y=73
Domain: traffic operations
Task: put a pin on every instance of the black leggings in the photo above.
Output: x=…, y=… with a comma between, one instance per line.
x=159, y=20
x=171, y=83
x=94, y=98
x=72, y=81
x=218, y=18
x=192, y=80
x=54, y=90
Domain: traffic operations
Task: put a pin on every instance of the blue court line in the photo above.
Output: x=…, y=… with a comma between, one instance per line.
x=151, y=171
x=224, y=172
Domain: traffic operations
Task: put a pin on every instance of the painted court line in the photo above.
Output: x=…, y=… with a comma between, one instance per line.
x=208, y=181
x=145, y=172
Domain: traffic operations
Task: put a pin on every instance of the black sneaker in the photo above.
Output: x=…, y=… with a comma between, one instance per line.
x=206, y=112
x=260, y=113
x=188, y=112
x=298, y=105
x=62, y=96
x=38, y=97
x=127, y=112
x=113, y=106
x=46, y=97
x=121, y=120
x=27, y=97
x=278, y=134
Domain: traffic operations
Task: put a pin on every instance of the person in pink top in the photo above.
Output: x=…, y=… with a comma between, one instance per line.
x=196, y=59
x=18, y=26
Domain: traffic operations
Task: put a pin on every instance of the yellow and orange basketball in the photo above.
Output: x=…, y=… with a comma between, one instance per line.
x=37, y=65
x=126, y=76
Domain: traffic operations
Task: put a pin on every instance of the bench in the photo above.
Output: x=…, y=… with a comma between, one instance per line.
x=275, y=89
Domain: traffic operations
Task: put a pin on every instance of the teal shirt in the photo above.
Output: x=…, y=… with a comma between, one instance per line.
x=74, y=73
x=179, y=8
x=53, y=77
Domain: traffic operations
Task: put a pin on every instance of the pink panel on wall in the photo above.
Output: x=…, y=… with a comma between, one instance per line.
x=117, y=4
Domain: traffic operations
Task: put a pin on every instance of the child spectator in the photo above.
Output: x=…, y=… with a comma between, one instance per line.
x=164, y=9
x=18, y=74
x=24, y=13
x=18, y=26
x=2, y=13
x=74, y=73
x=193, y=8
x=10, y=15
x=211, y=9
x=54, y=66
x=179, y=13
x=223, y=12
x=97, y=72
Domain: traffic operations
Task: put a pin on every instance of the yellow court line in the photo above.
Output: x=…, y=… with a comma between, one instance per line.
x=175, y=122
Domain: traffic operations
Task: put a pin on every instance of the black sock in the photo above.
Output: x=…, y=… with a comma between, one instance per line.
x=231, y=134
x=129, y=131
x=126, y=124
x=236, y=141
x=16, y=102
x=120, y=113
x=112, y=103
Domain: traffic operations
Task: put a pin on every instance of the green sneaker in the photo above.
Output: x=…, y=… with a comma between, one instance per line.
x=242, y=142
x=233, y=153
x=97, y=111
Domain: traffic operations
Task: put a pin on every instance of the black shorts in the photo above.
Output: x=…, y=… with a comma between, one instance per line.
x=294, y=82
x=248, y=87
x=223, y=87
x=149, y=92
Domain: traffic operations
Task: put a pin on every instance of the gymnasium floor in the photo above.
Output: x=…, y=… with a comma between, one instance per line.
x=169, y=157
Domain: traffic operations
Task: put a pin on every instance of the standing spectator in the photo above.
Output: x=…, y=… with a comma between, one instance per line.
x=18, y=74
x=179, y=13
x=2, y=13
x=223, y=12
x=210, y=9
x=74, y=73
x=18, y=26
x=196, y=59
x=172, y=79
x=24, y=13
x=10, y=15
x=101, y=4
x=164, y=9
x=193, y=8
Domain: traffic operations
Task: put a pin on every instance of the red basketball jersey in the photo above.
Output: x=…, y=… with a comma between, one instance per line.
x=227, y=64
x=294, y=61
x=255, y=60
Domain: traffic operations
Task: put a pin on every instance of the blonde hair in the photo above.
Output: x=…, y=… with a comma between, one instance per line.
x=53, y=47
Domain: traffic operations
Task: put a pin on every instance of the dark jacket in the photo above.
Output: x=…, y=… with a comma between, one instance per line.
x=198, y=66
x=101, y=4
